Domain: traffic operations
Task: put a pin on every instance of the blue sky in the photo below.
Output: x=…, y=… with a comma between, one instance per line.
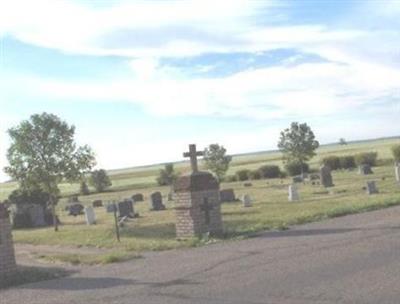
x=141, y=80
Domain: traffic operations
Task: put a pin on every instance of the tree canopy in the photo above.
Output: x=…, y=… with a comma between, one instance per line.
x=298, y=143
x=100, y=180
x=167, y=176
x=216, y=160
x=43, y=153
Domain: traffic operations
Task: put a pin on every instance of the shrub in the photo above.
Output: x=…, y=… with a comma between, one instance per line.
x=243, y=174
x=100, y=180
x=255, y=174
x=347, y=162
x=368, y=158
x=294, y=168
x=269, y=171
x=396, y=153
x=332, y=162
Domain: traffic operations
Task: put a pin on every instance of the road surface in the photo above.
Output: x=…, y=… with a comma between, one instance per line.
x=352, y=259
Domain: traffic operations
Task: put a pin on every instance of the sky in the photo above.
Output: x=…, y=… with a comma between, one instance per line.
x=142, y=80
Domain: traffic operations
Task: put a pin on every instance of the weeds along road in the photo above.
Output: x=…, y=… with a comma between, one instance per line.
x=353, y=259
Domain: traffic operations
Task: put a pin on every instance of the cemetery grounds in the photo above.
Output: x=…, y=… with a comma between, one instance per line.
x=77, y=243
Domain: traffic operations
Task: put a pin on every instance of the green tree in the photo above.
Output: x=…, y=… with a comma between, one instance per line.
x=298, y=144
x=342, y=142
x=43, y=153
x=99, y=180
x=216, y=160
x=396, y=153
x=167, y=176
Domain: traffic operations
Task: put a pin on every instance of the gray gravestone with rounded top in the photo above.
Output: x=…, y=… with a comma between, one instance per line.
x=90, y=216
x=246, y=200
x=326, y=176
x=371, y=188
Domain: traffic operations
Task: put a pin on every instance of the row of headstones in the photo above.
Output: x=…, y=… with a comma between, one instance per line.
x=370, y=188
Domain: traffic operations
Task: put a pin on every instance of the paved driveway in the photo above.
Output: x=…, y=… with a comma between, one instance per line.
x=353, y=259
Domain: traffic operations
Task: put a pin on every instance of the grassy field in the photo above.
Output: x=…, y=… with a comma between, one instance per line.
x=271, y=210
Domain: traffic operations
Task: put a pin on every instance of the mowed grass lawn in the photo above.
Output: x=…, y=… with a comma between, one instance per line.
x=271, y=209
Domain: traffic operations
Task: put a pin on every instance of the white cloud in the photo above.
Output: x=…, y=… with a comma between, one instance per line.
x=305, y=90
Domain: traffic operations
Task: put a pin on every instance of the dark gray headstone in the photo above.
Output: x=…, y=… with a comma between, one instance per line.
x=97, y=203
x=75, y=209
x=110, y=208
x=156, y=202
x=365, y=169
x=247, y=184
x=297, y=179
x=371, y=188
x=326, y=176
x=138, y=197
x=227, y=195
x=125, y=208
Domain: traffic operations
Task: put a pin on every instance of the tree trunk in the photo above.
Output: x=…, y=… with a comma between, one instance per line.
x=53, y=211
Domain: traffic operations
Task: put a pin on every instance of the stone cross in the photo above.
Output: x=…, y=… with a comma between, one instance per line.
x=193, y=157
x=206, y=207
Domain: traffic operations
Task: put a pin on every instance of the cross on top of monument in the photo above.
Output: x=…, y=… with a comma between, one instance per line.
x=193, y=157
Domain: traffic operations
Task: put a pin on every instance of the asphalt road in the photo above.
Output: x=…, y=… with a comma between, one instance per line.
x=353, y=259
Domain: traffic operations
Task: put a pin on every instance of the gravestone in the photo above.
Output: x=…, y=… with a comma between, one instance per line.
x=293, y=193
x=247, y=184
x=8, y=265
x=170, y=196
x=75, y=209
x=297, y=179
x=110, y=208
x=90, y=216
x=227, y=195
x=138, y=197
x=197, y=201
x=97, y=203
x=371, y=188
x=246, y=200
x=326, y=176
x=125, y=208
x=156, y=202
x=365, y=169
x=397, y=172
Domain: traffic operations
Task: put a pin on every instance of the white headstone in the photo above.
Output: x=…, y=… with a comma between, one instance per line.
x=246, y=200
x=90, y=216
x=293, y=193
x=397, y=172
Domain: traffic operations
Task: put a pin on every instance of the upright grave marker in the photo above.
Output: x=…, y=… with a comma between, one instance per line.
x=397, y=171
x=246, y=200
x=197, y=204
x=8, y=265
x=90, y=216
x=156, y=203
x=293, y=193
x=371, y=188
x=326, y=176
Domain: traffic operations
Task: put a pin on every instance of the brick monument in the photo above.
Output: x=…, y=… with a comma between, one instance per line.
x=8, y=266
x=197, y=203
